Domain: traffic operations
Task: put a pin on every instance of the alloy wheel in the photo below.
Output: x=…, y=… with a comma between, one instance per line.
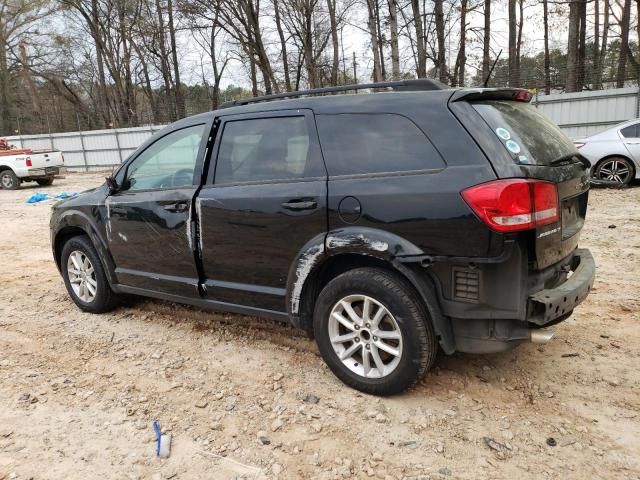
x=615, y=170
x=365, y=336
x=82, y=276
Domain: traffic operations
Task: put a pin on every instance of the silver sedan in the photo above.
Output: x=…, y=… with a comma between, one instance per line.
x=614, y=153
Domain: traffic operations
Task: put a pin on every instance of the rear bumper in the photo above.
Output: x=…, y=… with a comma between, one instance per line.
x=45, y=172
x=487, y=333
x=551, y=304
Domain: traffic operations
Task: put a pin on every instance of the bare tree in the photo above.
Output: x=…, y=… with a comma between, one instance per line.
x=486, y=40
x=441, y=59
x=514, y=73
x=393, y=34
x=373, y=37
x=625, y=21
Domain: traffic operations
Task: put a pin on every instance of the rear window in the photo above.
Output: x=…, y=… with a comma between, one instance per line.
x=376, y=143
x=632, y=131
x=525, y=132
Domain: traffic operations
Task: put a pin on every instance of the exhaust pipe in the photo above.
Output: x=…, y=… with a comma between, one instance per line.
x=540, y=337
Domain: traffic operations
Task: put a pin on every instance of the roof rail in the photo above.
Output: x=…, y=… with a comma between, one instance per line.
x=401, y=85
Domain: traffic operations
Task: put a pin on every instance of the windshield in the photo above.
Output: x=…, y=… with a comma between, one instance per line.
x=525, y=132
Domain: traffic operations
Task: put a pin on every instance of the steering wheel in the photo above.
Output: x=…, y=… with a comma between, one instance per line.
x=182, y=178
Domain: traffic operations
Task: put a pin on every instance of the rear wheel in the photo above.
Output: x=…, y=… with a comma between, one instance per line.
x=9, y=180
x=84, y=276
x=43, y=182
x=615, y=169
x=373, y=332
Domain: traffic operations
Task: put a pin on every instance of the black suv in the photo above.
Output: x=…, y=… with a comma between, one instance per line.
x=386, y=225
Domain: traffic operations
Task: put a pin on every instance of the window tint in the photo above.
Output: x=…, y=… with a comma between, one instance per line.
x=358, y=143
x=264, y=149
x=632, y=131
x=167, y=163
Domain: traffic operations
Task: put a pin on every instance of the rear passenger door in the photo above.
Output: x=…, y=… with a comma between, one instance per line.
x=263, y=201
x=631, y=138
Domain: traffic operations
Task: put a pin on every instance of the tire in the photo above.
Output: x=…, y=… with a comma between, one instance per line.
x=103, y=298
x=9, y=180
x=43, y=182
x=617, y=169
x=406, y=328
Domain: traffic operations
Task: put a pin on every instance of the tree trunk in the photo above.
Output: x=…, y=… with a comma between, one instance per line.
x=333, y=24
x=103, y=102
x=461, y=59
x=283, y=45
x=573, y=47
x=519, y=41
x=486, y=41
x=597, y=82
x=164, y=66
x=180, y=106
x=5, y=104
x=373, y=36
x=547, y=59
x=624, y=44
x=596, y=41
x=582, y=46
x=441, y=54
x=393, y=33
x=383, y=70
x=421, y=61
x=514, y=74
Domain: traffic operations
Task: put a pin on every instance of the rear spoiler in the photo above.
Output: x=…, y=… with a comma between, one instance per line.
x=470, y=94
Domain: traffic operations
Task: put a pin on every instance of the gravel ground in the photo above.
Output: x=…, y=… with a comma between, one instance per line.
x=250, y=398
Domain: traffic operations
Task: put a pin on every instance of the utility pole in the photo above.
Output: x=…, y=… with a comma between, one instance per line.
x=355, y=74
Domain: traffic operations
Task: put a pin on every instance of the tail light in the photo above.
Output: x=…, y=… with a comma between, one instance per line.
x=62, y=157
x=579, y=144
x=29, y=164
x=514, y=204
x=522, y=96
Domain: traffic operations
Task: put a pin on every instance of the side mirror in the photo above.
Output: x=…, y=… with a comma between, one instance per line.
x=112, y=185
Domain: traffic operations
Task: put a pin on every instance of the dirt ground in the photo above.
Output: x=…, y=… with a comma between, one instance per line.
x=250, y=398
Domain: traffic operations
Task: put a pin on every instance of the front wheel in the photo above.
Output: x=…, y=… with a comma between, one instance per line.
x=84, y=276
x=43, y=182
x=615, y=169
x=9, y=180
x=373, y=332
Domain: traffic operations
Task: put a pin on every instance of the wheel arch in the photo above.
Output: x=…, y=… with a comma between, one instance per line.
x=74, y=223
x=339, y=251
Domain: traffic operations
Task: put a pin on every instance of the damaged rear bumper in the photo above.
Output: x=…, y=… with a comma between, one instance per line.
x=546, y=307
x=551, y=304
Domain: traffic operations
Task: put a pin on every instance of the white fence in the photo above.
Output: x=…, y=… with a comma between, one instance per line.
x=578, y=114
x=91, y=150
x=586, y=113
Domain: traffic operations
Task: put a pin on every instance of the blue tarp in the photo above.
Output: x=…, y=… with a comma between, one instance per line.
x=41, y=197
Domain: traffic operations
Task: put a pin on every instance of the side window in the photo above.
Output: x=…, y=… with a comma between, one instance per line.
x=359, y=143
x=632, y=131
x=264, y=149
x=167, y=163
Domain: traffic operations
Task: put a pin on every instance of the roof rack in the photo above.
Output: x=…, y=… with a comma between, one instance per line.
x=402, y=85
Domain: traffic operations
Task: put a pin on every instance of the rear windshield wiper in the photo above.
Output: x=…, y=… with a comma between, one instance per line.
x=571, y=158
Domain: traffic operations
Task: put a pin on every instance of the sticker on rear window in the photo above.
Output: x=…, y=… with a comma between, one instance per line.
x=523, y=159
x=512, y=146
x=503, y=133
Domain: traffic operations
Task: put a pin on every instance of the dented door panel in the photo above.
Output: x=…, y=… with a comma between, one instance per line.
x=150, y=238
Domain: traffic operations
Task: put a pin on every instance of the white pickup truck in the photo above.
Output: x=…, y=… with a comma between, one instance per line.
x=17, y=166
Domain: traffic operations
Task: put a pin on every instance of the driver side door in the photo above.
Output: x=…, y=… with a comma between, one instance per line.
x=149, y=219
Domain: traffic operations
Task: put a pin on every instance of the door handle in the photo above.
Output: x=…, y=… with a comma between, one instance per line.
x=300, y=205
x=176, y=207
